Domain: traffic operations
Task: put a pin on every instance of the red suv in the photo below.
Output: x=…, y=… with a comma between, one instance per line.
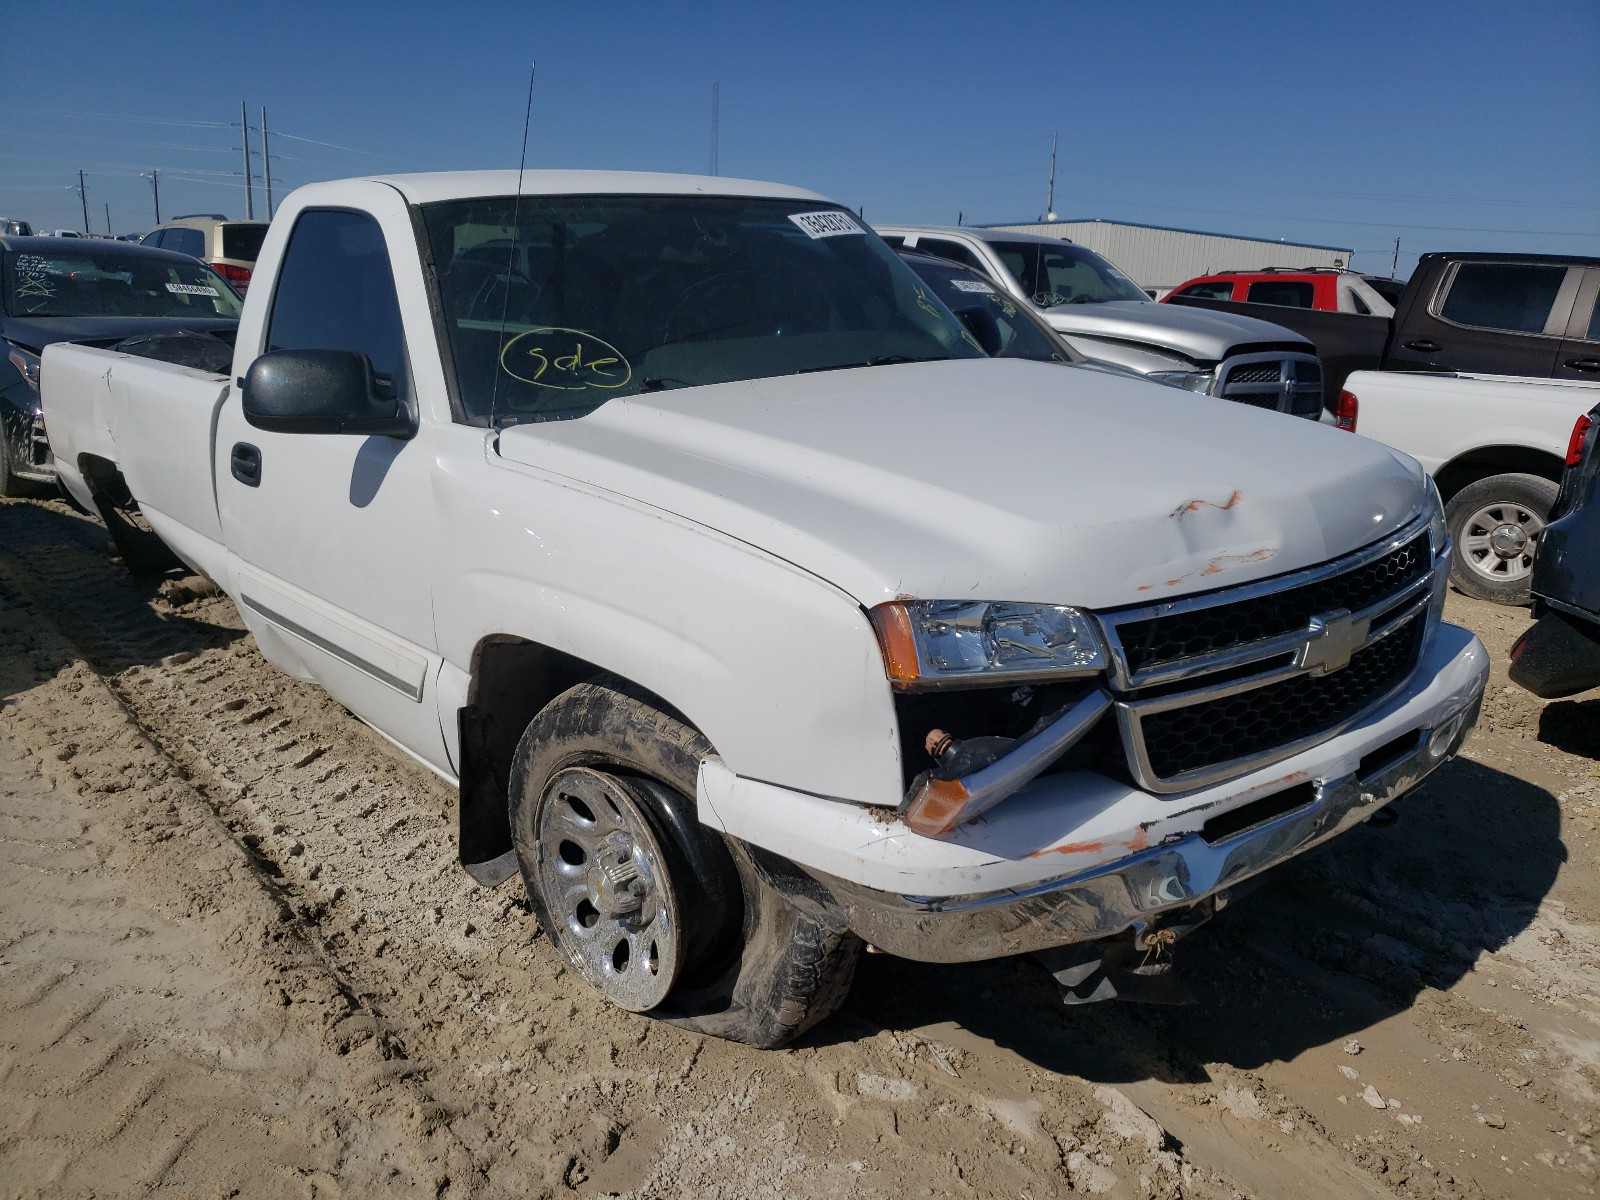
x=1327, y=288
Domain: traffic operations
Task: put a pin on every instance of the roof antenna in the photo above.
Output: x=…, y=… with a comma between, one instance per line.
x=511, y=255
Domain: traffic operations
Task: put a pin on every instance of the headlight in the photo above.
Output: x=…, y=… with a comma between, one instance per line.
x=934, y=643
x=27, y=365
x=1438, y=532
x=1189, y=381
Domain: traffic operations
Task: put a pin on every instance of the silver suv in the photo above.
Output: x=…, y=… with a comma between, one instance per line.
x=1105, y=316
x=228, y=247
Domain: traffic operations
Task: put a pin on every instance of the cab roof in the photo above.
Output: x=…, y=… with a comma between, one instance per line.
x=465, y=185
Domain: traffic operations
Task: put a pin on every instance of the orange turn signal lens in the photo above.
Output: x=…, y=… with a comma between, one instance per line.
x=937, y=808
x=892, y=624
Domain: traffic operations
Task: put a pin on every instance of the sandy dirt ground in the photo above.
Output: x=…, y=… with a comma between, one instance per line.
x=237, y=958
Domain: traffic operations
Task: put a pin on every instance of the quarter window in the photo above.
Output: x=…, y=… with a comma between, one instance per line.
x=1512, y=296
x=1286, y=293
x=1217, y=289
x=185, y=241
x=954, y=251
x=335, y=291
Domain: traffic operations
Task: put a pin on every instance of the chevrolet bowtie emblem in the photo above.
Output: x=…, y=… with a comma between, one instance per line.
x=1334, y=638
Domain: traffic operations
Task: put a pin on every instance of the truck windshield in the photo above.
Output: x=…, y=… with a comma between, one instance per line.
x=84, y=279
x=556, y=304
x=1065, y=274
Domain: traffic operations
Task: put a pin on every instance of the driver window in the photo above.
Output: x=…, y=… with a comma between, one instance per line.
x=335, y=291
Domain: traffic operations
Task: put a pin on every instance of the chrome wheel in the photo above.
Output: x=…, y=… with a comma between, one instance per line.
x=1498, y=541
x=604, y=881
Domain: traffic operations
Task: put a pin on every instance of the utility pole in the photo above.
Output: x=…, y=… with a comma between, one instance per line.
x=1394, y=267
x=153, y=175
x=266, y=160
x=716, y=105
x=244, y=140
x=1050, y=196
x=83, y=194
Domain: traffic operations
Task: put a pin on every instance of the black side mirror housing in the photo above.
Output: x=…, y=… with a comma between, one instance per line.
x=321, y=391
x=984, y=329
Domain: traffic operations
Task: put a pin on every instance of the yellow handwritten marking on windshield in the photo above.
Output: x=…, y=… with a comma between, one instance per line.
x=568, y=360
x=1005, y=304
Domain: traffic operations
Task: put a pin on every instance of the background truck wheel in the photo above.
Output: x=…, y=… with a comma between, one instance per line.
x=1495, y=524
x=658, y=913
x=10, y=483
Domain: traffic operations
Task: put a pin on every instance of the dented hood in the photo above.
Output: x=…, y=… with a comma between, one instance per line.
x=1199, y=334
x=993, y=479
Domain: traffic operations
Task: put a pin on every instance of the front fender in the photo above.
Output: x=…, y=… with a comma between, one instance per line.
x=779, y=669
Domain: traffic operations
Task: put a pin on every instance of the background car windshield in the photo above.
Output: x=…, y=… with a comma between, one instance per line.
x=86, y=280
x=1065, y=274
x=961, y=287
x=590, y=297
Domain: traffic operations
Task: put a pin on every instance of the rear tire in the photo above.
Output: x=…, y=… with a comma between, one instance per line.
x=1495, y=524
x=759, y=951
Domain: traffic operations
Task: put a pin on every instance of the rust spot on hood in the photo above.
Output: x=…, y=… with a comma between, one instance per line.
x=1197, y=505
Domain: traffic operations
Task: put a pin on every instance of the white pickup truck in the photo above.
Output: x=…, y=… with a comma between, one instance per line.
x=1496, y=446
x=755, y=612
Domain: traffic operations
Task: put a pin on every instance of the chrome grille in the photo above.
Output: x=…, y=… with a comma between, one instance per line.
x=1212, y=686
x=1165, y=639
x=1263, y=372
x=1245, y=724
x=1286, y=382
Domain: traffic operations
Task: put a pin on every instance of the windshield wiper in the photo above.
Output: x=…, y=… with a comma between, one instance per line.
x=883, y=360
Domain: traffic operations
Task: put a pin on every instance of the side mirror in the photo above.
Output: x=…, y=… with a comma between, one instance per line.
x=982, y=326
x=321, y=391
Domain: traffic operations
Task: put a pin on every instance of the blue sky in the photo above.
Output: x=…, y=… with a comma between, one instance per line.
x=1458, y=125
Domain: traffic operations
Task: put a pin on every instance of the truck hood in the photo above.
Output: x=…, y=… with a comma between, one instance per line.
x=998, y=479
x=36, y=333
x=1196, y=333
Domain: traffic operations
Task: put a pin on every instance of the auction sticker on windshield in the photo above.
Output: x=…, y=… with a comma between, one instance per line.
x=971, y=285
x=191, y=289
x=826, y=224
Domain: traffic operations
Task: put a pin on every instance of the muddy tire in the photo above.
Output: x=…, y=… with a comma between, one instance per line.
x=1495, y=525
x=623, y=877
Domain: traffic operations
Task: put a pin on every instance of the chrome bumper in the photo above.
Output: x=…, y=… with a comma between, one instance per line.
x=1131, y=892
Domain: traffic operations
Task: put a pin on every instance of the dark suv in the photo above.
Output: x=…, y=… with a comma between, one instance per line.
x=1560, y=654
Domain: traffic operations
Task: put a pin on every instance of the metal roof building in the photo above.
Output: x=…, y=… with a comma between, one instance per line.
x=1160, y=258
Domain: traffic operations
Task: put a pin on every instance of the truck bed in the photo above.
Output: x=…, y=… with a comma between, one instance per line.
x=88, y=397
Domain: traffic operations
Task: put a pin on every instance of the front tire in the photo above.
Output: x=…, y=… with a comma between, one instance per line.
x=1495, y=524
x=654, y=910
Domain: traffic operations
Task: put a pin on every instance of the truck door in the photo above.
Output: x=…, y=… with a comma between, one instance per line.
x=1501, y=318
x=1579, y=356
x=329, y=534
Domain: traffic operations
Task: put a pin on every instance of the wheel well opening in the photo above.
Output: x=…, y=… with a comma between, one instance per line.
x=104, y=478
x=1495, y=460
x=512, y=679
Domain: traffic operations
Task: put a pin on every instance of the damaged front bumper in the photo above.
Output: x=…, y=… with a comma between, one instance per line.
x=1138, y=889
x=1142, y=856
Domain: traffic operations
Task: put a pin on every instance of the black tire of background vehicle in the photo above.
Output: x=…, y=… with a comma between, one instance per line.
x=769, y=953
x=10, y=483
x=142, y=550
x=1532, y=492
